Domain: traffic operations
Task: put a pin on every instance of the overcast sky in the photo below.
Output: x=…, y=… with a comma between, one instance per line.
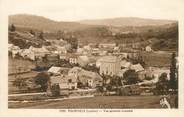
x=72, y=10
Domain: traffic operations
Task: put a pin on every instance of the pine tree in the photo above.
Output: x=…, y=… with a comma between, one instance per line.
x=74, y=43
x=12, y=28
x=41, y=35
x=173, y=80
x=59, y=34
x=32, y=32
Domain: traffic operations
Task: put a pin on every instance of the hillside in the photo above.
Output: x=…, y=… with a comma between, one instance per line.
x=161, y=34
x=42, y=23
x=127, y=21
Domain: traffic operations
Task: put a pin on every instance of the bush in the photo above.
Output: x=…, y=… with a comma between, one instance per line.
x=42, y=79
x=99, y=89
x=131, y=77
x=162, y=85
x=123, y=91
x=12, y=28
x=149, y=78
x=55, y=89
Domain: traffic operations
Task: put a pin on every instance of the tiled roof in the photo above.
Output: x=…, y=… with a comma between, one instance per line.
x=125, y=64
x=91, y=75
x=62, y=79
x=54, y=69
x=137, y=67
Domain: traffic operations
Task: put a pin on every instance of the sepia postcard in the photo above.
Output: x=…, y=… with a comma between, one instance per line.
x=83, y=57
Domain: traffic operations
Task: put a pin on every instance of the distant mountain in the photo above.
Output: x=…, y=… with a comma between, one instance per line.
x=127, y=21
x=42, y=23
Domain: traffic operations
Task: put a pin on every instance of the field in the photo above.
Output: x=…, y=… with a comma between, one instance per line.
x=24, y=72
x=118, y=102
x=161, y=59
x=19, y=65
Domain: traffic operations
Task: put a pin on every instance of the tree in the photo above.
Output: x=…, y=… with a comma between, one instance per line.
x=116, y=81
x=32, y=32
x=163, y=77
x=117, y=44
x=104, y=79
x=59, y=34
x=138, y=59
x=92, y=68
x=12, y=28
x=42, y=79
x=74, y=42
x=149, y=77
x=55, y=89
x=173, y=83
x=41, y=35
x=131, y=77
x=162, y=84
x=96, y=45
x=80, y=85
x=141, y=60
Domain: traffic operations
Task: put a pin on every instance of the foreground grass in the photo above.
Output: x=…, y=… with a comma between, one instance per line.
x=118, y=102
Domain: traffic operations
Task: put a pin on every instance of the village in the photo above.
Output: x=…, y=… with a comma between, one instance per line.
x=67, y=68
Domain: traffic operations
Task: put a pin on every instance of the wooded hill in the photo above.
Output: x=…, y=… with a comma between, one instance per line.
x=161, y=34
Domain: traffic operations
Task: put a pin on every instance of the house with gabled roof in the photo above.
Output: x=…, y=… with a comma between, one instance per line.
x=86, y=77
x=64, y=82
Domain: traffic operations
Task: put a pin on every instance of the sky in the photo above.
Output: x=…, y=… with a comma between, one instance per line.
x=74, y=10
